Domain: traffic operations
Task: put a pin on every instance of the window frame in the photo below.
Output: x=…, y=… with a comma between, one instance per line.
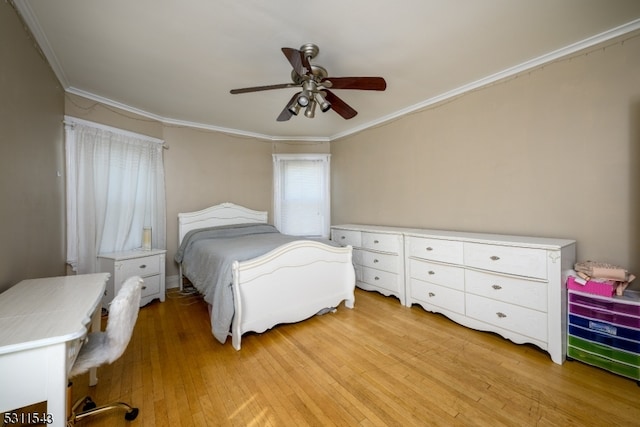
x=326, y=185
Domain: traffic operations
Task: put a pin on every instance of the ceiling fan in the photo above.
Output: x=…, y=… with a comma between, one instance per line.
x=315, y=83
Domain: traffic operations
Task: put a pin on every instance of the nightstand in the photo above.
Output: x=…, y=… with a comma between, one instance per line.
x=122, y=265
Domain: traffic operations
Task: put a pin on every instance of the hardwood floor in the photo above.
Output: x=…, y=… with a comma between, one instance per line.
x=378, y=364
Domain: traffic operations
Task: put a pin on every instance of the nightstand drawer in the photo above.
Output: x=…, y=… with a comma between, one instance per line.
x=143, y=266
x=151, y=286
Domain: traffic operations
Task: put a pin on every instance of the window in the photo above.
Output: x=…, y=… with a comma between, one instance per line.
x=301, y=194
x=115, y=188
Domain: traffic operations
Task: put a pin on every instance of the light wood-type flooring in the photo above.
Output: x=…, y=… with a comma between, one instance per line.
x=376, y=365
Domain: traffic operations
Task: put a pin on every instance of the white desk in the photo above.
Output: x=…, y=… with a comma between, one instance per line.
x=42, y=323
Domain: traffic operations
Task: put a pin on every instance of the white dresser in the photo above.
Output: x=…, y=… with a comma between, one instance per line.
x=150, y=265
x=511, y=285
x=378, y=257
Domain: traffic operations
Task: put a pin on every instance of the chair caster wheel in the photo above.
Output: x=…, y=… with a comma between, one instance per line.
x=88, y=404
x=130, y=416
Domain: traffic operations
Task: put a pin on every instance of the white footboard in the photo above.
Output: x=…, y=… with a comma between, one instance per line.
x=290, y=284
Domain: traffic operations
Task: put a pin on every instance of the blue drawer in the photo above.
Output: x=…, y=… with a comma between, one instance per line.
x=605, y=339
x=605, y=327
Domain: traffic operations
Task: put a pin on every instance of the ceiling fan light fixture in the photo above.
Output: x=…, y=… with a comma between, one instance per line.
x=310, y=112
x=294, y=108
x=324, y=104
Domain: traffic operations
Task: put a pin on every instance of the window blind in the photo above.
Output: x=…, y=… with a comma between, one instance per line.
x=301, y=196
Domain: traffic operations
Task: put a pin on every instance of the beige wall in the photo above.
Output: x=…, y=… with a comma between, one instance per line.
x=554, y=152
x=31, y=159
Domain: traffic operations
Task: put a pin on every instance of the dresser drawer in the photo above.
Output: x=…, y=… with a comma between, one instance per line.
x=436, y=250
x=142, y=266
x=151, y=286
x=380, y=279
x=440, y=274
x=347, y=237
x=386, y=262
x=506, y=259
x=523, y=321
x=512, y=290
x=381, y=242
x=439, y=296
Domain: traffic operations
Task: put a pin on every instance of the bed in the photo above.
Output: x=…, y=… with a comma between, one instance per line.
x=254, y=277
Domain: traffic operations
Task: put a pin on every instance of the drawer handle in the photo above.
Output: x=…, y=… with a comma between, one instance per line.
x=343, y=237
x=431, y=295
x=375, y=261
x=143, y=266
x=496, y=287
x=376, y=241
x=376, y=278
x=144, y=287
x=429, y=248
x=501, y=315
x=494, y=258
x=432, y=272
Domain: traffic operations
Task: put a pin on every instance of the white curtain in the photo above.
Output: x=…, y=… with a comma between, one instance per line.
x=115, y=188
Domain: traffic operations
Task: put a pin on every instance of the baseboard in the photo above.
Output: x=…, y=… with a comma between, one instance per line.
x=172, y=282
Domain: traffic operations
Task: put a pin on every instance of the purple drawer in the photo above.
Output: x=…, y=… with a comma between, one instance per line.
x=607, y=316
x=609, y=304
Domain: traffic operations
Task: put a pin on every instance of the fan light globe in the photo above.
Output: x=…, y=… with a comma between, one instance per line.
x=303, y=99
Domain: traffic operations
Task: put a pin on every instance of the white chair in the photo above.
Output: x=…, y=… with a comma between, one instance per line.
x=106, y=347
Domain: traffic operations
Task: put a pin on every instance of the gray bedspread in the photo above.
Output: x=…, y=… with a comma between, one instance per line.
x=208, y=254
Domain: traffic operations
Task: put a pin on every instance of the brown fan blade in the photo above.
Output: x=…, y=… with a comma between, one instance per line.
x=286, y=113
x=361, y=83
x=297, y=60
x=260, y=88
x=340, y=106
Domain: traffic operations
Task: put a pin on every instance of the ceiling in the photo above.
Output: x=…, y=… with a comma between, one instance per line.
x=176, y=61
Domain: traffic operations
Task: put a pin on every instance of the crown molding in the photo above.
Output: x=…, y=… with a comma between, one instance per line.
x=28, y=17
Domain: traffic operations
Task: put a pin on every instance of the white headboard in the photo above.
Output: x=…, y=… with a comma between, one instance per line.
x=222, y=214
